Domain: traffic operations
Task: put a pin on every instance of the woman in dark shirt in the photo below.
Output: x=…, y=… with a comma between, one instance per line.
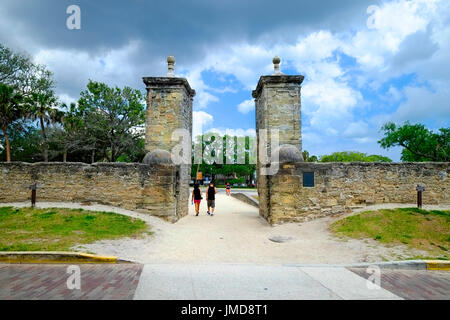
x=197, y=198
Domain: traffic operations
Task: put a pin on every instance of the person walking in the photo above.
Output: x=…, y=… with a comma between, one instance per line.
x=211, y=198
x=228, y=187
x=196, y=198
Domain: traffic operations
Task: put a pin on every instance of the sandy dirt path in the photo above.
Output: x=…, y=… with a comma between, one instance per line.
x=236, y=234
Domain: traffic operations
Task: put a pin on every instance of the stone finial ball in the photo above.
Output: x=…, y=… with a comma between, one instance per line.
x=276, y=60
x=171, y=59
x=158, y=156
x=289, y=154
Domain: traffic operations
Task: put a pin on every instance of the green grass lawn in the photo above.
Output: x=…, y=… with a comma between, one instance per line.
x=416, y=228
x=58, y=229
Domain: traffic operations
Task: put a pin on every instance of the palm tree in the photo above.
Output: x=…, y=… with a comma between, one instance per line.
x=11, y=109
x=67, y=135
x=43, y=109
x=42, y=101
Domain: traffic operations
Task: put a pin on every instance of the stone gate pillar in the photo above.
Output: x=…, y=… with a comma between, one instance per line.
x=169, y=107
x=277, y=99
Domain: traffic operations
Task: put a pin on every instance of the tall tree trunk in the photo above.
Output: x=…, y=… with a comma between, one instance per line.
x=113, y=151
x=8, y=146
x=41, y=120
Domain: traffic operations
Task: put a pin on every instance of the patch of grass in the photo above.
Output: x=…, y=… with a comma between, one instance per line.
x=55, y=229
x=416, y=228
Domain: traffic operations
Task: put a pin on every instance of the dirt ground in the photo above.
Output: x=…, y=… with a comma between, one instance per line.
x=236, y=234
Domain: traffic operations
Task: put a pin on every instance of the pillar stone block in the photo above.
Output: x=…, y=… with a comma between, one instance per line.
x=277, y=104
x=169, y=107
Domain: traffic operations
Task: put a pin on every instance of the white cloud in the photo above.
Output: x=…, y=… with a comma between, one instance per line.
x=393, y=22
x=393, y=94
x=245, y=61
x=72, y=69
x=203, y=98
x=246, y=106
x=356, y=130
x=66, y=99
x=423, y=104
x=200, y=121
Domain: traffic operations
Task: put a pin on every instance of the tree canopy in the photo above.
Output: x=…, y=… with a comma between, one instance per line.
x=239, y=161
x=353, y=156
x=418, y=142
x=113, y=117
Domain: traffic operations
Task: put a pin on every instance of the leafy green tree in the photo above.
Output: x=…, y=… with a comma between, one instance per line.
x=418, y=142
x=12, y=66
x=353, y=156
x=229, y=164
x=70, y=136
x=308, y=158
x=11, y=110
x=112, y=118
x=26, y=142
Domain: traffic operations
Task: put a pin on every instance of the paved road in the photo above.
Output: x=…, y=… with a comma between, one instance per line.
x=217, y=281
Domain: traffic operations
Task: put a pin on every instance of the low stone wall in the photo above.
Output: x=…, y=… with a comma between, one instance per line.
x=152, y=189
x=341, y=187
x=245, y=198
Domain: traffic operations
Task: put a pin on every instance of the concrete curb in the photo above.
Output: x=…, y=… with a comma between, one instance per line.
x=443, y=265
x=55, y=257
x=245, y=198
x=438, y=265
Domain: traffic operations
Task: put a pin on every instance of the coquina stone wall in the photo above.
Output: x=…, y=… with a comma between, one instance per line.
x=330, y=188
x=146, y=188
x=341, y=187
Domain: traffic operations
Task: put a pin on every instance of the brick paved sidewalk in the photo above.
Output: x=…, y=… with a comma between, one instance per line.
x=413, y=284
x=49, y=282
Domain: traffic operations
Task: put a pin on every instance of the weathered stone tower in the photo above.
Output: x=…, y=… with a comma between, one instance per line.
x=277, y=99
x=169, y=107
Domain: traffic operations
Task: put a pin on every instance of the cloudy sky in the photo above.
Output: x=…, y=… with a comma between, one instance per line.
x=365, y=62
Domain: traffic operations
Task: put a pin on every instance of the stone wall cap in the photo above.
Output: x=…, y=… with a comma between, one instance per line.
x=282, y=78
x=168, y=82
x=74, y=164
x=157, y=156
x=381, y=164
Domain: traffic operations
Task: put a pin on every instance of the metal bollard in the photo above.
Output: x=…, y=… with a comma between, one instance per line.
x=33, y=195
x=419, y=189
